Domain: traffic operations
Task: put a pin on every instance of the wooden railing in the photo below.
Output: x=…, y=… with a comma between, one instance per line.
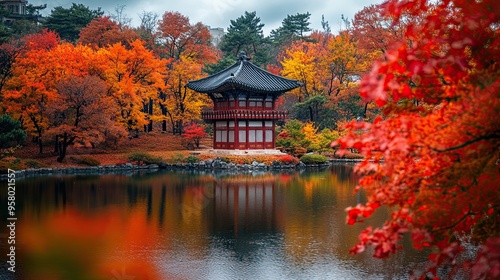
x=243, y=114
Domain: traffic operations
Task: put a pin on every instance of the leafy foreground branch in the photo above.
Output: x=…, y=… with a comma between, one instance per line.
x=439, y=91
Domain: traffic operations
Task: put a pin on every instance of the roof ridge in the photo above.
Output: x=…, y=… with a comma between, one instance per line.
x=239, y=69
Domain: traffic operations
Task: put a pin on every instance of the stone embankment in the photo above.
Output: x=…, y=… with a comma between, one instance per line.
x=208, y=165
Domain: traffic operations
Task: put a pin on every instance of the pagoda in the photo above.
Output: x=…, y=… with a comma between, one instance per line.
x=244, y=97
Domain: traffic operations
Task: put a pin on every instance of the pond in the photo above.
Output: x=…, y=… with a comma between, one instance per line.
x=195, y=225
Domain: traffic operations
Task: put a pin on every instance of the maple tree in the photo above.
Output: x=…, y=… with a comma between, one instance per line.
x=187, y=49
x=300, y=63
x=329, y=67
x=194, y=133
x=29, y=91
x=342, y=65
x=83, y=114
x=102, y=31
x=439, y=138
x=134, y=77
x=15, y=48
x=343, y=62
x=178, y=37
x=374, y=30
x=180, y=104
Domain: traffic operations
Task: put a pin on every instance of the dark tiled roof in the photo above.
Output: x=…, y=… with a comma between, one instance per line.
x=243, y=75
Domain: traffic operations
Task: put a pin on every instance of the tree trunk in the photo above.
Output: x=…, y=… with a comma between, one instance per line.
x=150, y=112
x=150, y=126
x=63, y=147
x=56, y=145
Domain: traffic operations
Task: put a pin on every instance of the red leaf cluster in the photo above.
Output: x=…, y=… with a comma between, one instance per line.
x=433, y=157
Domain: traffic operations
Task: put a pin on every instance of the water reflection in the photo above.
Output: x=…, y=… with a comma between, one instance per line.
x=195, y=226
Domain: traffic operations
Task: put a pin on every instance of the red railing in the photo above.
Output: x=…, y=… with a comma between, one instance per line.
x=243, y=114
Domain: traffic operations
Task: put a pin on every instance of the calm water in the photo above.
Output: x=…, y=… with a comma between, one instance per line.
x=169, y=225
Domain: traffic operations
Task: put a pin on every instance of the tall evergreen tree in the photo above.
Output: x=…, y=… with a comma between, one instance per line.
x=222, y=64
x=293, y=27
x=245, y=34
x=68, y=22
x=11, y=132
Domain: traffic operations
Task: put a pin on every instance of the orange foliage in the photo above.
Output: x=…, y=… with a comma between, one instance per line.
x=188, y=48
x=83, y=114
x=134, y=76
x=69, y=243
x=102, y=32
x=183, y=39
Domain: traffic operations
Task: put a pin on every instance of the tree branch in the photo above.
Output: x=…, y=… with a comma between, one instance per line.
x=484, y=137
x=469, y=213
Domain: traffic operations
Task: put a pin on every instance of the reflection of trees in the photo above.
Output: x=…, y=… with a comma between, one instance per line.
x=302, y=212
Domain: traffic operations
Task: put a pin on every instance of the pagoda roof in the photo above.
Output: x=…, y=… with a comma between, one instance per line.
x=243, y=75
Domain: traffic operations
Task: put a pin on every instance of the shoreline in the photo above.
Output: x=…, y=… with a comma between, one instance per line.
x=207, y=165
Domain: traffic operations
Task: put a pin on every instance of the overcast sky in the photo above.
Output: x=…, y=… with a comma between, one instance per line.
x=218, y=13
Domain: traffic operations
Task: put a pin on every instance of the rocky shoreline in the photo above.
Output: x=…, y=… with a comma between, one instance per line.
x=208, y=165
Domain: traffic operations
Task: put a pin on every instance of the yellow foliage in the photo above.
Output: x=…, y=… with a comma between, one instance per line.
x=310, y=132
x=299, y=65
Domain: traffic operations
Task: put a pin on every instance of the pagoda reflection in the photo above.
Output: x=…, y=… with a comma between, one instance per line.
x=245, y=203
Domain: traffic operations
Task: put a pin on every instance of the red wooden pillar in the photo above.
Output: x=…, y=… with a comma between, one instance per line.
x=236, y=133
x=274, y=135
x=215, y=134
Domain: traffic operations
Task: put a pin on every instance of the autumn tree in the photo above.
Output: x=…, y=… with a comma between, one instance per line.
x=329, y=67
x=29, y=91
x=439, y=138
x=187, y=49
x=102, y=31
x=194, y=133
x=134, y=77
x=374, y=30
x=178, y=36
x=342, y=66
x=301, y=62
x=181, y=104
x=15, y=48
x=83, y=114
